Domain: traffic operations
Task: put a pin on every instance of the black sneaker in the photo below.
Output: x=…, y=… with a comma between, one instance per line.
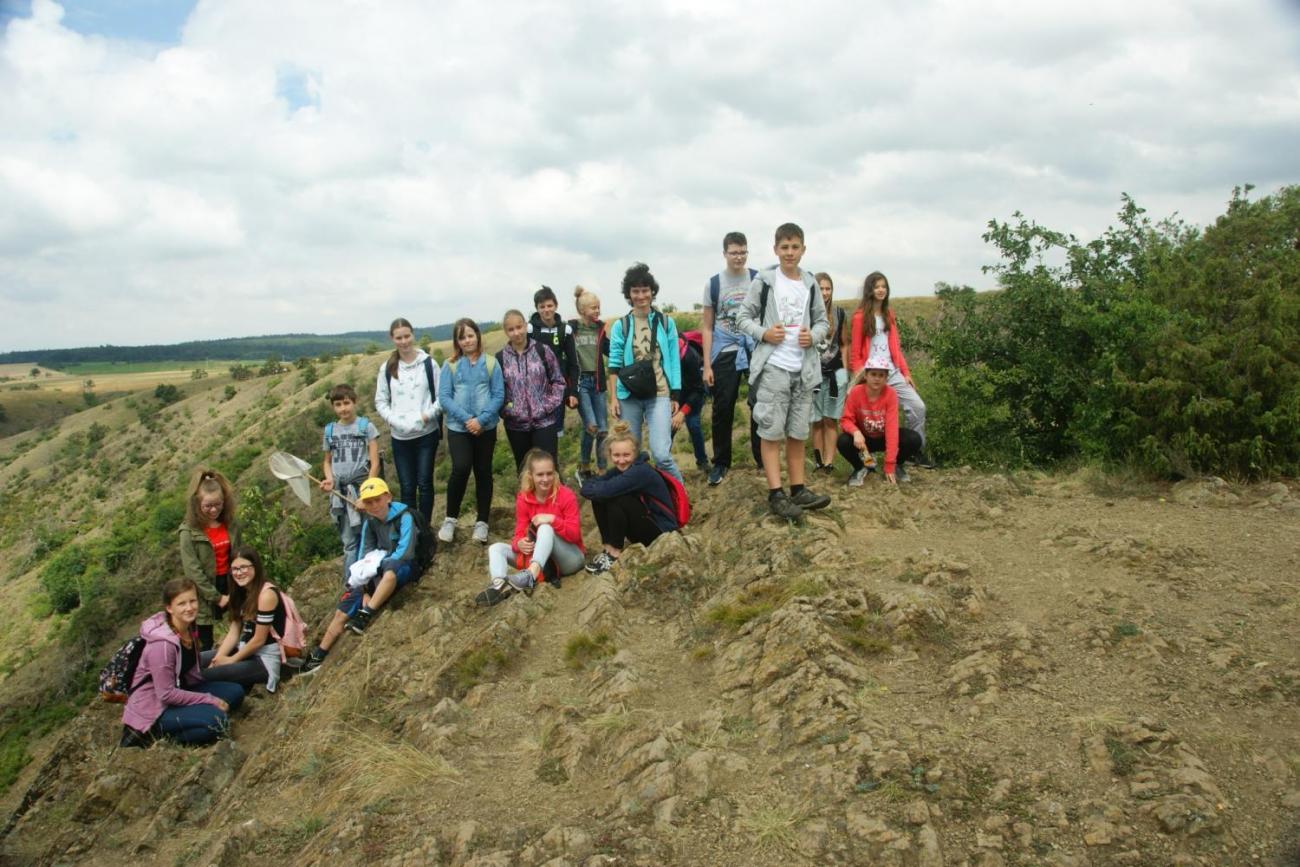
x=783, y=507
x=809, y=501
x=602, y=562
x=924, y=461
x=312, y=665
x=900, y=474
x=716, y=475
x=490, y=597
x=358, y=622
x=704, y=466
x=133, y=739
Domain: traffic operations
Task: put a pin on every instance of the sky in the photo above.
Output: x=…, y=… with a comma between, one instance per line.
x=176, y=171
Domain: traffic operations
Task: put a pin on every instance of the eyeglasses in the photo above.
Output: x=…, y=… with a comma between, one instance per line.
x=212, y=507
x=247, y=567
x=737, y=252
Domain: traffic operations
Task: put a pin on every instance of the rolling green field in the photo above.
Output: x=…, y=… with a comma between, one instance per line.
x=101, y=368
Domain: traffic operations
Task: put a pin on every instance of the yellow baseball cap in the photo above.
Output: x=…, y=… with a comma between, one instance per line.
x=372, y=488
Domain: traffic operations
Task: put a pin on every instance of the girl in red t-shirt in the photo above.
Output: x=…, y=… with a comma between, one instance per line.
x=874, y=332
x=208, y=535
x=870, y=424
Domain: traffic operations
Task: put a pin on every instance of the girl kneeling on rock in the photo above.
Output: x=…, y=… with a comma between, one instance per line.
x=169, y=697
x=870, y=424
x=631, y=501
x=548, y=533
x=250, y=653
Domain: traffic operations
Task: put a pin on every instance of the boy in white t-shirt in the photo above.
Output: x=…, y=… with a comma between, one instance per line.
x=784, y=312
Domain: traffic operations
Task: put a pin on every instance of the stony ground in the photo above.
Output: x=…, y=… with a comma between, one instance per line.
x=970, y=670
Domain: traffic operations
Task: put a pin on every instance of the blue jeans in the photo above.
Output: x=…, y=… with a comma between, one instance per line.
x=201, y=723
x=655, y=412
x=414, y=462
x=697, y=439
x=594, y=412
x=350, y=536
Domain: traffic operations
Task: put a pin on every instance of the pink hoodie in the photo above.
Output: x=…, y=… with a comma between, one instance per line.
x=157, y=683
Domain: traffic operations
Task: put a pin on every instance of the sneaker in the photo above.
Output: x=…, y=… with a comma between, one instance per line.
x=358, y=622
x=858, y=477
x=602, y=562
x=481, y=532
x=490, y=597
x=716, y=475
x=924, y=461
x=808, y=500
x=312, y=665
x=704, y=467
x=580, y=475
x=900, y=475
x=447, y=531
x=522, y=580
x=783, y=507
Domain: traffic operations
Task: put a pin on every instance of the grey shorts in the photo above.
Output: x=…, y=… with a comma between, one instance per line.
x=782, y=405
x=825, y=406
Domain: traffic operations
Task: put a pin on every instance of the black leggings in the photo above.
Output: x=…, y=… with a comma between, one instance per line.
x=470, y=453
x=909, y=445
x=624, y=520
x=542, y=438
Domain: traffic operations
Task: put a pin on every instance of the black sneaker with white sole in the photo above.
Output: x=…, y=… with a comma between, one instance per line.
x=809, y=500
x=783, y=507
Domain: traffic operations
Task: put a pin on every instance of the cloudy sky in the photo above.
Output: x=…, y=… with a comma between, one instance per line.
x=179, y=170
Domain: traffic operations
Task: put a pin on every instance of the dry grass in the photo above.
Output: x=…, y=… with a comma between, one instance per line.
x=375, y=769
x=774, y=826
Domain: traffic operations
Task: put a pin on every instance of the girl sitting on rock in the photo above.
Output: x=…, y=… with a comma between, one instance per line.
x=207, y=536
x=169, y=698
x=870, y=424
x=548, y=533
x=631, y=501
x=250, y=653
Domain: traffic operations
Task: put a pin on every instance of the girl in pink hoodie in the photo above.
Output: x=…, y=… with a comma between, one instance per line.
x=168, y=695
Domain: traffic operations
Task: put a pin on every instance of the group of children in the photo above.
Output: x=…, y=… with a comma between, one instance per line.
x=810, y=373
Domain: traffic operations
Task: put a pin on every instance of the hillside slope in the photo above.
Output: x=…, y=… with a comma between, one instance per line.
x=969, y=670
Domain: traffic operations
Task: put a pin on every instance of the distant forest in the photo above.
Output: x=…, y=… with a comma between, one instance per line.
x=286, y=346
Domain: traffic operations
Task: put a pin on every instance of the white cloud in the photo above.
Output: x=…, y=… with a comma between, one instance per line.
x=326, y=167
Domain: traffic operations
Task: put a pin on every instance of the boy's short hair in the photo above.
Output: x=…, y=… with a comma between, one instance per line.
x=545, y=294
x=788, y=230
x=343, y=391
x=734, y=238
x=639, y=275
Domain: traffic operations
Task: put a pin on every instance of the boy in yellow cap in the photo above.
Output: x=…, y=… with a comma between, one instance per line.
x=405, y=548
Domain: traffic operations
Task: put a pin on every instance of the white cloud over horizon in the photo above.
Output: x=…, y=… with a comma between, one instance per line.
x=326, y=167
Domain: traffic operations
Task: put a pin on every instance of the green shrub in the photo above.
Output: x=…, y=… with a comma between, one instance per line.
x=63, y=576
x=167, y=393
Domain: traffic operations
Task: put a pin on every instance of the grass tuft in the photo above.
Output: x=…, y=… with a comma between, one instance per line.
x=584, y=648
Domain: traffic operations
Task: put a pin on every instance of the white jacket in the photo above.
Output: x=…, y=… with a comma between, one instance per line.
x=406, y=403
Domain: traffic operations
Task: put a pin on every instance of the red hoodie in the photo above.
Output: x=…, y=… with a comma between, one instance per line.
x=564, y=506
x=860, y=344
x=873, y=419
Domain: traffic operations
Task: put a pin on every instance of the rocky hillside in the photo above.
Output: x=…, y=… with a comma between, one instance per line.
x=970, y=670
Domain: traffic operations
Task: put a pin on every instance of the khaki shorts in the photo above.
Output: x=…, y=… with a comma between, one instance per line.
x=782, y=405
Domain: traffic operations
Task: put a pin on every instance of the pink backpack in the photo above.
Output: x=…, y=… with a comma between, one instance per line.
x=294, y=641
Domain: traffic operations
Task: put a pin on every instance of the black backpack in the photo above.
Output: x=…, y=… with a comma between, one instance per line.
x=715, y=289
x=426, y=544
x=115, y=678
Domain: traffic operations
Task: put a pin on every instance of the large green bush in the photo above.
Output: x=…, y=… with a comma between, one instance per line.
x=1159, y=345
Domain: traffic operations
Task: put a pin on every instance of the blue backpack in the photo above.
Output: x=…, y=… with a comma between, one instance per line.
x=363, y=424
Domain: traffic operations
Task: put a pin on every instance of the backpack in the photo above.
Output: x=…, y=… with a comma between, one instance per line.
x=681, y=503
x=362, y=424
x=115, y=678
x=293, y=643
x=763, y=294
x=426, y=544
x=715, y=289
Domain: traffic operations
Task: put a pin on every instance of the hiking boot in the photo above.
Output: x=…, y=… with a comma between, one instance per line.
x=900, y=475
x=522, y=580
x=490, y=597
x=602, y=562
x=808, y=500
x=716, y=475
x=312, y=665
x=783, y=507
x=447, y=532
x=358, y=622
x=481, y=532
x=858, y=477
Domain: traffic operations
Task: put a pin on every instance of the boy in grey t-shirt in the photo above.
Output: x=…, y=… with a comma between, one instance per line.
x=351, y=447
x=726, y=347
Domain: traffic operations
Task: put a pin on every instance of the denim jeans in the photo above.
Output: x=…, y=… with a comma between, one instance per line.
x=594, y=412
x=350, y=536
x=414, y=462
x=201, y=723
x=696, y=434
x=657, y=415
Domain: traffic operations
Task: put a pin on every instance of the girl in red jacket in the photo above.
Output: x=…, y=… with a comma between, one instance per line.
x=870, y=424
x=875, y=334
x=548, y=533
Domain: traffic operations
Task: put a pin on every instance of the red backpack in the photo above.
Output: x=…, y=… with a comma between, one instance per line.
x=681, y=504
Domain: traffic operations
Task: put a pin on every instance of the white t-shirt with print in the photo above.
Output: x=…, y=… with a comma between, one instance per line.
x=791, y=300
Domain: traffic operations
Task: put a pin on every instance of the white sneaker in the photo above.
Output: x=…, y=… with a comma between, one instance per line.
x=481, y=532
x=447, y=531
